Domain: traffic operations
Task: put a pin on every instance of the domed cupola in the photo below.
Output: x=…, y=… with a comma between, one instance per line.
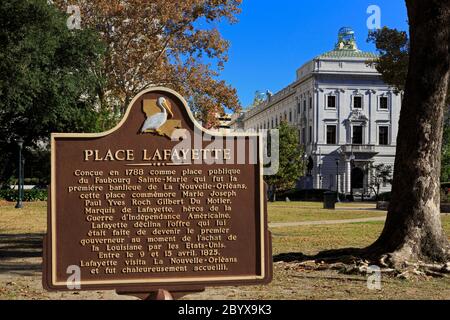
x=346, y=39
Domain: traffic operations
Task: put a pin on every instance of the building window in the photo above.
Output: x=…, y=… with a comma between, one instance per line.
x=310, y=102
x=383, y=135
x=331, y=134
x=357, y=135
x=331, y=102
x=272, y=125
x=304, y=106
x=303, y=136
x=384, y=103
x=290, y=115
x=298, y=108
x=310, y=134
x=357, y=102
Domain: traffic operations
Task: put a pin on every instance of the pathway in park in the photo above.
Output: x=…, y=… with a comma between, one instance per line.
x=325, y=222
x=322, y=222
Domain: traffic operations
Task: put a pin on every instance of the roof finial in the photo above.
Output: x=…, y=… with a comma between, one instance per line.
x=346, y=39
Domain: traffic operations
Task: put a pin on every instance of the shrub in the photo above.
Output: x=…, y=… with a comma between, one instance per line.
x=384, y=196
x=28, y=195
x=306, y=195
x=445, y=197
x=445, y=185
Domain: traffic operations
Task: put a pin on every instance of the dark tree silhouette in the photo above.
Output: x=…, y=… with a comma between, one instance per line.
x=413, y=229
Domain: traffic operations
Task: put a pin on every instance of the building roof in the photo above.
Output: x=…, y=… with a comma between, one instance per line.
x=344, y=53
x=346, y=47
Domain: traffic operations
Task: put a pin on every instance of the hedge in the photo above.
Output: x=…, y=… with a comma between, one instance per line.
x=384, y=196
x=28, y=195
x=445, y=185
x=305, y=195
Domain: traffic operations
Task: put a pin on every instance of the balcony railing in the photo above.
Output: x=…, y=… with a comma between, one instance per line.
x=358, y=148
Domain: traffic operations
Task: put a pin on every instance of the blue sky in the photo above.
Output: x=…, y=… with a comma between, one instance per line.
x=274, y=38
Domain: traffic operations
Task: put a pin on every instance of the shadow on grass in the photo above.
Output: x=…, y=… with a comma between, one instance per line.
x=17, y=249
x=292, y=257
x=345, y=255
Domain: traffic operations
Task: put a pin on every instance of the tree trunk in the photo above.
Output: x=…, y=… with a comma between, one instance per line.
x=413, y=229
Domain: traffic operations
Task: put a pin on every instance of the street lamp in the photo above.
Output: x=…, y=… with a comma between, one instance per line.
x=19, y=204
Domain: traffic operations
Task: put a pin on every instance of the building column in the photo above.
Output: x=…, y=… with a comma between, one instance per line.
x=369, y=177
x=338, y=183
x=348, y=175
x=319, y=164
x=317, y=182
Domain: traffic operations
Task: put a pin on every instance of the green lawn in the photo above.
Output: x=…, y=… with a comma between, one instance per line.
x=318, y=204
x=312, y=239
x=315, y=238
x=313, y=211
x=32, y=218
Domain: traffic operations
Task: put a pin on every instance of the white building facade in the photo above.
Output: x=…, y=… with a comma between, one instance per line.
x=346, y=116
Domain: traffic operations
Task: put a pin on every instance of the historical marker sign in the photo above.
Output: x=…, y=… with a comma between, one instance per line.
x=156, y=203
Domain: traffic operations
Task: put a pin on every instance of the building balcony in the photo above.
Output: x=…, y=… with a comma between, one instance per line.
x=359, y=148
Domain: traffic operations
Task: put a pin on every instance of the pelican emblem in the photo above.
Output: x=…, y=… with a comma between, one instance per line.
x=158, y=112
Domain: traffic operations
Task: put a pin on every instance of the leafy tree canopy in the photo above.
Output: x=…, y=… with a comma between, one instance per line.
x=46, y=75
x=162, y=43
x=393, y=47
x=381, y=174
x=291, y=163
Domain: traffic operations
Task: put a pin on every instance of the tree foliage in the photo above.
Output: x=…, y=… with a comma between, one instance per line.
x=381, y=174
x=162, y=43
x=47, y=82
x=291, y=163
x=393, y=48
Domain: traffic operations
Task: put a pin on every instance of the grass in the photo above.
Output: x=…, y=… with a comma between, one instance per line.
x=32, y=218
x=319, y=204
x=313, y=211
x=288, y=282
x=312, y=239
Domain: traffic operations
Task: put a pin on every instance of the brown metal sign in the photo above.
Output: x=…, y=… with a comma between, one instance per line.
x=157, y=202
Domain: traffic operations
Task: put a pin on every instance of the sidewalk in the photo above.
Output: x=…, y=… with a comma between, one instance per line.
x=323, y=222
